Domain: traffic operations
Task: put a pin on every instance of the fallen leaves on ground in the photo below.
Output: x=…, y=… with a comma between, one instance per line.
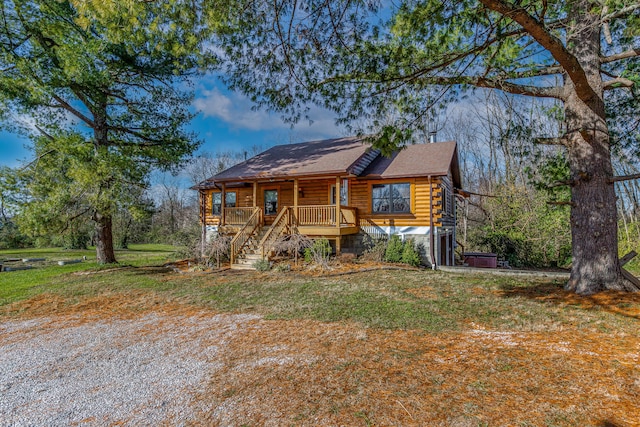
x=309, y=373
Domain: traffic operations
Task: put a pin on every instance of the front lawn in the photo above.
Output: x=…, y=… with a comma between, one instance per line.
x=383, y=347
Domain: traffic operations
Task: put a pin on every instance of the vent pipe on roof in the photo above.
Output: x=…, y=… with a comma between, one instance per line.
x=432, y=137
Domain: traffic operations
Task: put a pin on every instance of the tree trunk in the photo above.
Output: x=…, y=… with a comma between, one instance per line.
x=104, y=239
x=594, y=222
x=594, y=226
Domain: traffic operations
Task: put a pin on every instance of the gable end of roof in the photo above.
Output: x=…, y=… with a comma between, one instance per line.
x=365, y=160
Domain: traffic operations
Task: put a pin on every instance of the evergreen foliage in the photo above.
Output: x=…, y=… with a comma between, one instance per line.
x=101, y=86
x=410, y=255
x=394, y=250
x=262, y=265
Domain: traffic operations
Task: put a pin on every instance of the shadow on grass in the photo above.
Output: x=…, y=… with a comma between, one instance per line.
x=621, y=303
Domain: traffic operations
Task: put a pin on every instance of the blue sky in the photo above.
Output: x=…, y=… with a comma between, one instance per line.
x=225, y=123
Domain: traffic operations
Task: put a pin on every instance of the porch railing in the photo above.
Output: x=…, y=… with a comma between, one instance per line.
x=325, y=215
x=279, y=226
x=348, y=215
x=245, y=233
x=237, y=216
x=316, y=215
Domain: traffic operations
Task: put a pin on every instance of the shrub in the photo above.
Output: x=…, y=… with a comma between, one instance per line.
x=410, y=255
x=318, y=252
x=394, y=250
x=217, y=249
x=283, y=268
x=375, y=252
x=262, y=265
x=292, y=244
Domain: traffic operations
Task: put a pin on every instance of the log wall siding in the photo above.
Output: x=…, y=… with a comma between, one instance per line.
x=317, y=192
x=420, y=204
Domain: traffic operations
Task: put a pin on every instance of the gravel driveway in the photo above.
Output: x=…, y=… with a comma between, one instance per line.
x=144, y=371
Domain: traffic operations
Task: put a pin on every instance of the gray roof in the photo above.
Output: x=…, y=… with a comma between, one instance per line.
x=343, y=156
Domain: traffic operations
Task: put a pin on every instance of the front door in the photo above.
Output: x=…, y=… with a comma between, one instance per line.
x=270, y=202
x=344, y=193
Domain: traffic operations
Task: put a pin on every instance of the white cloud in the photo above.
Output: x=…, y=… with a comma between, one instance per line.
x=236, y=110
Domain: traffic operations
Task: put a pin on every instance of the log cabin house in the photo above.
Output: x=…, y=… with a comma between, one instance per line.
x=340, y=189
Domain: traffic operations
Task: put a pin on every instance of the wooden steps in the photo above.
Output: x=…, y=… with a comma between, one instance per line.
x=251, y=252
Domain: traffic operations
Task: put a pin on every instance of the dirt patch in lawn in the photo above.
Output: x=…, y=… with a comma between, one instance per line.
x=304, y=372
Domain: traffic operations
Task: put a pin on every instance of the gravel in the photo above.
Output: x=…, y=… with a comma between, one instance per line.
x=133, y=372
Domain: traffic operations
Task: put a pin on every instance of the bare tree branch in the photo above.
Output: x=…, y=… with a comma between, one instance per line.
x=631, y=53
x=64, y=104
x=551, y=141
x=624, y=178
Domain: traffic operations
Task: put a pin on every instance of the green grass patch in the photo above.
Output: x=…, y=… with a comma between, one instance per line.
x=48, y=276
x=422, y=300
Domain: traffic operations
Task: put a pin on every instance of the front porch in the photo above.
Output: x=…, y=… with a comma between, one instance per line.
x=313, y=220
x=255, y=233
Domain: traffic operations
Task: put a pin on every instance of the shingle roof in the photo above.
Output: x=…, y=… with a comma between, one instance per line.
x=417, y=160
x=343, y=156
x=326, y=157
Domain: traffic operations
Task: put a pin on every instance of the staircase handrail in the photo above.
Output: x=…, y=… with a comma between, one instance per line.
x=276, y=230
x=242, y=237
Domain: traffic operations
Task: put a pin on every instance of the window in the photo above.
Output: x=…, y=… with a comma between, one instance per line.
x=391, y=198
x=446, y=200
x=343, y=193
x=216, y=202
x=230, y=199
x=270, y=202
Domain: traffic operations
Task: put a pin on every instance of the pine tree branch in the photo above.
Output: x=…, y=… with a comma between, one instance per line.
x=622, y=12
x=616, y=83
x=503, y=85
x=553, y=44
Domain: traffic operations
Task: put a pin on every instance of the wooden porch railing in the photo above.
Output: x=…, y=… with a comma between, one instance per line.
x=280, y=225
x=348, y=215
x=316, y=215
x=325, y=215
x=237, y=216
x=245, y=233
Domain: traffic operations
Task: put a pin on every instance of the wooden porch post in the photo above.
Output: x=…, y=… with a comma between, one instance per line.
x=255, y=193
x=338, y=202
x=222, y=203
x=338, y=182
x=296, y=189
